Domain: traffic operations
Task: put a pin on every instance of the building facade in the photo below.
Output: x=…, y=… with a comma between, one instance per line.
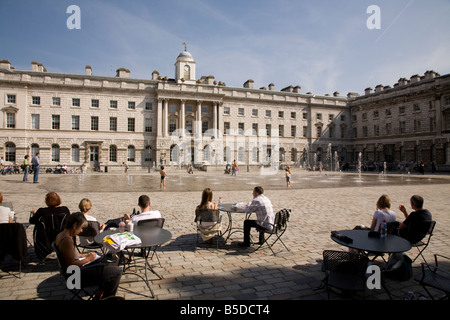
x=99, y=121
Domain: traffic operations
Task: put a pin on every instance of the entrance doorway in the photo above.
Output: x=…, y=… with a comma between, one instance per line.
x=93, y=156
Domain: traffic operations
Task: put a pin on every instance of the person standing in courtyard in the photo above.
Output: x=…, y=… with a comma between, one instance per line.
x=26, y=167
x=163, y=174
x=262, y=206
x=288, y=177
x=36, y=167
x=126, y=168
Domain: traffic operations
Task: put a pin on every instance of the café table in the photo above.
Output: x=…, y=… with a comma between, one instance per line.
x=231, y=210
x=151, y=237
x=360, y=240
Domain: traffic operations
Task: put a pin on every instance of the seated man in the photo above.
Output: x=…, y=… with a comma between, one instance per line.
x=262, y=206
x=146, y=214
x=416, y=217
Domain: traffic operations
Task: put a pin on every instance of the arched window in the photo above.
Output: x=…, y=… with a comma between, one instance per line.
x=241, y=154
x=34, y=149
x=75, y=153
x=112, y=153
x=175, y=153
x=10, y=152
x=207, y=153
x=294, y=155
x=55, y=153
x=227, y=154
x=131, y=154
x=255, y=154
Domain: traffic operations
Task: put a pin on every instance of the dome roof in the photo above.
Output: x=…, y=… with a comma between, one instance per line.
x=185, y=55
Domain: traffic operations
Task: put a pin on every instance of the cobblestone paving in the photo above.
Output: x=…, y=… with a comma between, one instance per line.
x=320, y=203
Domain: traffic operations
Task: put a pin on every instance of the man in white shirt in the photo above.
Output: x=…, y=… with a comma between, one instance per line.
x=262, y=206
x=146, y=214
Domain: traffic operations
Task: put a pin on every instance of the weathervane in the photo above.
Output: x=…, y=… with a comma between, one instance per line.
x=185, y=49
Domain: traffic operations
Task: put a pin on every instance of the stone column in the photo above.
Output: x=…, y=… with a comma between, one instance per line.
x=166, y=118
x=183, y=117
x=198, y=119
x=215, y=107
x=159, y=118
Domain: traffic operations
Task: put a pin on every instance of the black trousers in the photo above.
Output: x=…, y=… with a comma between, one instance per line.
x=107, y=276
x=248, y=225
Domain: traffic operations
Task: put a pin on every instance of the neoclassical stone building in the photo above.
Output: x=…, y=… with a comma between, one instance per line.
x=77, y=119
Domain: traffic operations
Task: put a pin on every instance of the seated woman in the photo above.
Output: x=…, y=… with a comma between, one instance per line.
x=53, y=202
x=85, y=206
x=107, y=276
x=383, y=213
x=207, y=229
x=6, y=215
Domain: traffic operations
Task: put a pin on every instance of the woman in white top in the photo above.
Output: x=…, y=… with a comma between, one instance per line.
x=383, y=213
x=6, y=215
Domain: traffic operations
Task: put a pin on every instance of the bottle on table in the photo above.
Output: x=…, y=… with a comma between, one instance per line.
x=383, y=229
x=220, y=203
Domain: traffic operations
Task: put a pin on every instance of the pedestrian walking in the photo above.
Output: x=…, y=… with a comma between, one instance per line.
x=26, y=167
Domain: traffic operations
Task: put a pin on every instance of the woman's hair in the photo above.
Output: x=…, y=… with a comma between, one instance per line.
x=1, y=197
x=206, y=197
x=85, y=205
x=384, y=202
x=52, y=199
x=76, y=218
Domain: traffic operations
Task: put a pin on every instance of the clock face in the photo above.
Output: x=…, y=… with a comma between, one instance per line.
x=186, y=68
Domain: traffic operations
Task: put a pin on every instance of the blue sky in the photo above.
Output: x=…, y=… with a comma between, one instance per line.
x=323, y=46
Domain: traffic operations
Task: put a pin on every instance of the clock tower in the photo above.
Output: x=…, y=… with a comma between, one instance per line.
x=185, y=68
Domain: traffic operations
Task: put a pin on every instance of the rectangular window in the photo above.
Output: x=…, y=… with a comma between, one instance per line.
x=189, y=109
x=241, y=128
x=401, y=109
x=36, y=101
x=226, y=127
x=365, y=132
x=75, y=122
x=331, y=117
x=75, y=102
x=319, y=116
x=112, y=124
x=305, y=116
x=95, y=103
x=331, y=132
x=35, y=121
x=293, y=115
x=204, y=126
x=131, y=126
x=55, y=121
x=388, y=112
x=281, y=130
x=226, y=110
x=56, y=101
x=94, y=123
x=11, y=120
x=268, y=113
x=305, y=131
x=148, y=125
x=388, y=128
x=319, y=132
x=254, y=112
x=402, y=126
x=268, y=129
x=172, y=125
x=255, y=129
x=172, y=108
x=417, y=125
x=241, y=111
x=148, y=106
x=280, y=114
x=113, y=104
x=205, y=110
x=376, y=130
x=189, y=126
x=131, y=105
x=11, y=98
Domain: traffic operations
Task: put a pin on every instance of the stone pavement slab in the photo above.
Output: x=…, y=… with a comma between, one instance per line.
x=191, y=271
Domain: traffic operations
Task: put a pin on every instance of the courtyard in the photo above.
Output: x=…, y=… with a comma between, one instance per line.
x=320, y=203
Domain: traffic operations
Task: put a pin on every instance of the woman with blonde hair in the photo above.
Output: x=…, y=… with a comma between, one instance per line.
x=382, y=213
x=207, y=229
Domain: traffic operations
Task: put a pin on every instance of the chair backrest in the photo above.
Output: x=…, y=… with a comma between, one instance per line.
x=13, y=240
x=61, y=264
x=91, y=230
x=345, y=262
x=281, y=219
x=207, y=215
x=152, y=223
x=418, y=231
x=45, y=232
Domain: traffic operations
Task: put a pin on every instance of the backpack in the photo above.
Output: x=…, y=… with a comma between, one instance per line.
x=399, y=267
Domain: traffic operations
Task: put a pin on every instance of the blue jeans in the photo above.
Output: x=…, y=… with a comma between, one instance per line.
x=25, y=175
x=35, y=174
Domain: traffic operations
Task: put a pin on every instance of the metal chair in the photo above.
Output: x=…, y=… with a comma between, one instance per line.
x=436, y=277
x=13, y=241
x=152, y=223
x=278, y=229
x=45, y=232
x=428, y=227
x=345, y=270
x=86, y=237
x=209, y=216
x=63, y=271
